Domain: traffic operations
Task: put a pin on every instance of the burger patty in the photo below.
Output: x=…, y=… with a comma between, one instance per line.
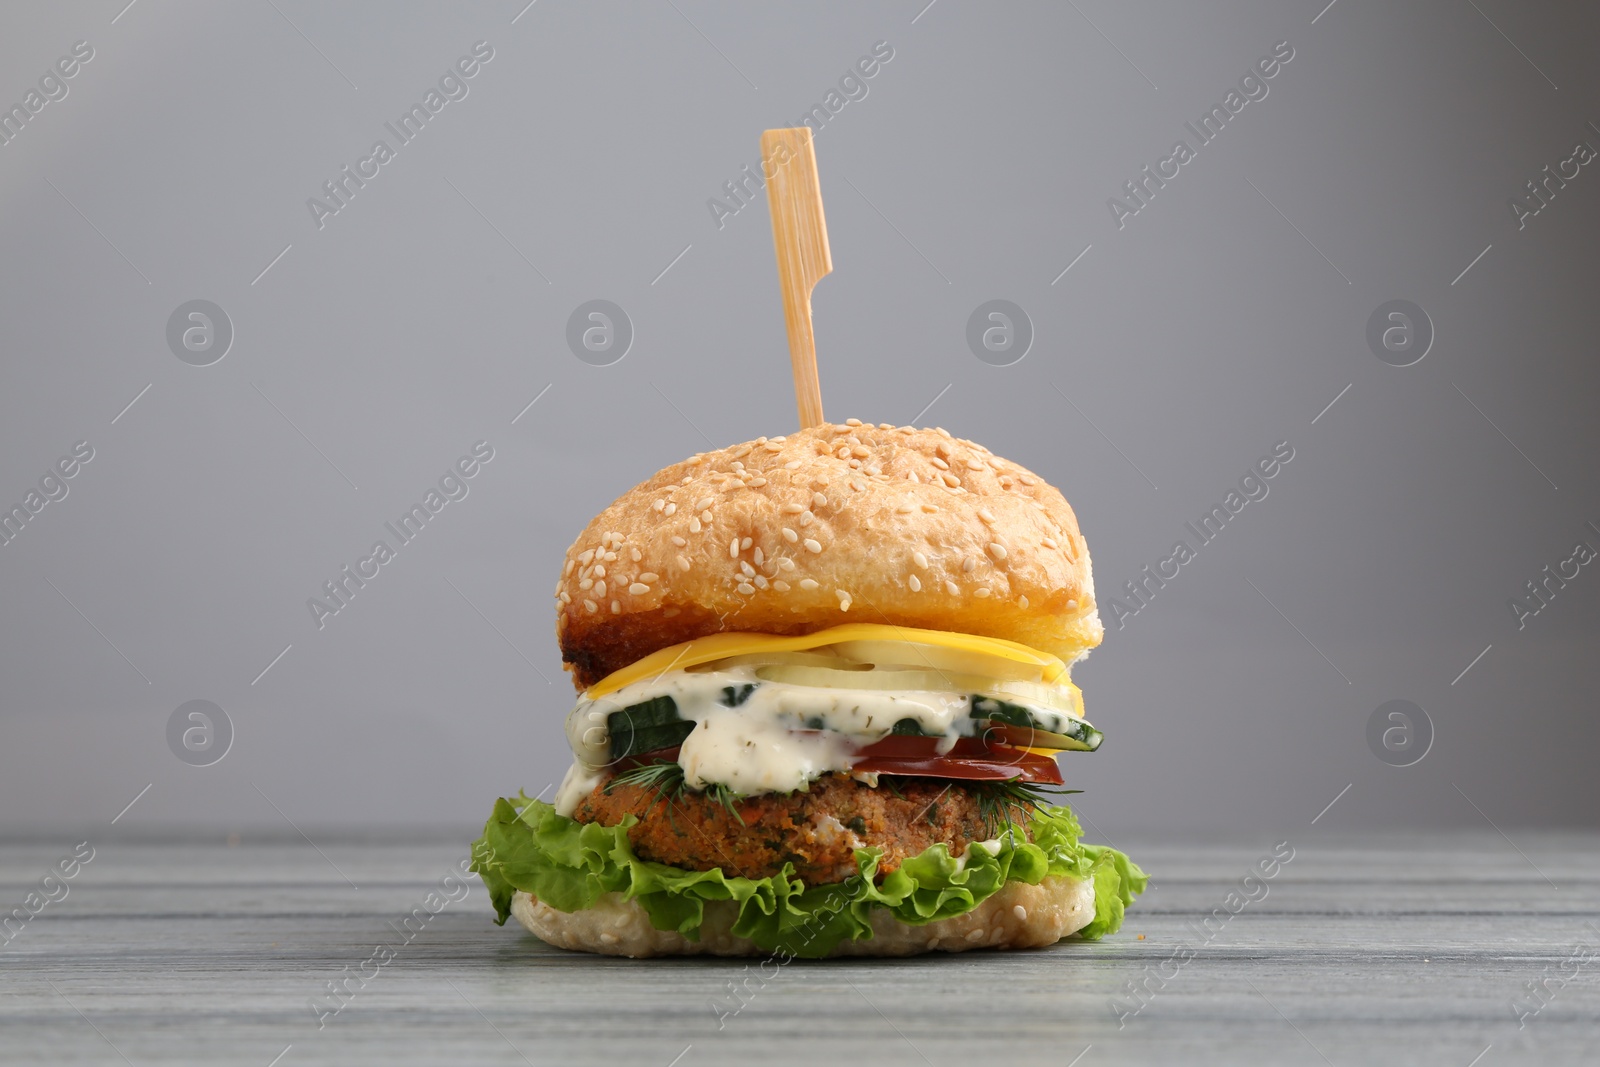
x=816, y=831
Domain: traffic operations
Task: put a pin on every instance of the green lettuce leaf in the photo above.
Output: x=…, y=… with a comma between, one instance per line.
x=569, y=865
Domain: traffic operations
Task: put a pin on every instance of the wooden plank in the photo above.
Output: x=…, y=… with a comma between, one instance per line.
x=1392, y=951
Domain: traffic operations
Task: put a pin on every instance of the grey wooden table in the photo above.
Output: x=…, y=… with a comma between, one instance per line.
x=1419, y=949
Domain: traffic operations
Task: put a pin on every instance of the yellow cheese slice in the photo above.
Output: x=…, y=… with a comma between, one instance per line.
x=721, y=646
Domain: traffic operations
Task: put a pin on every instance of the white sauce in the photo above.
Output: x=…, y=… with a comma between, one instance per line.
x=782, y=737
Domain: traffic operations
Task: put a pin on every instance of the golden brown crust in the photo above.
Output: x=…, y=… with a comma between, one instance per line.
x=1019, y=915
x=817, y=832
x=833, y=524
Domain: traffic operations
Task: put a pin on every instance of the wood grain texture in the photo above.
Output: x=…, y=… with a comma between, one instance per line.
x=1406, y=950
x=800, y=238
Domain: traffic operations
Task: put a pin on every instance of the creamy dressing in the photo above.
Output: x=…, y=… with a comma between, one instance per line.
x=778, y=738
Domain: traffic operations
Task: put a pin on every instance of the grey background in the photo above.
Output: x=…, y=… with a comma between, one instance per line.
x=427, y=314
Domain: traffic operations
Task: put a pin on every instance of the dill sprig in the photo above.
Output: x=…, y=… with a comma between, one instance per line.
x=667, y=778
x=1004, y=804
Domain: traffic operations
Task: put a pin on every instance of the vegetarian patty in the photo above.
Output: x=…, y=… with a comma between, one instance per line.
x=816, y=831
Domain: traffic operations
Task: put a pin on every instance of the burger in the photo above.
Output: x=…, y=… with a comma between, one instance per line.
x=823, y=680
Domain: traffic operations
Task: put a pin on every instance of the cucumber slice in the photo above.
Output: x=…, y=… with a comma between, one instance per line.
x=909, y=727
x=645, y=727
x=1072, y=733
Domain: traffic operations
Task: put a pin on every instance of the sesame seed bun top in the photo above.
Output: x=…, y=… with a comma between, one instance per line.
x=832, y=524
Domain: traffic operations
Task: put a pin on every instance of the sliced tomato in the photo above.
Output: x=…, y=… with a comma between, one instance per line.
x=970, y=759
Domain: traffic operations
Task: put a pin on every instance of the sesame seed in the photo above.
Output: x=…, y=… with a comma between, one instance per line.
x=1022, y=601
x=745, y=588
x=761, y=583
x=571, y=563
x=591, y=606
x=636, y=554
x=600, y=589
x=736, y=464
x=758, y=481
x=780, y=585
x=915, y=583
x=852, y=422
x=950, y=479
x=973, y=464
x=929, y=508
x=705, y=516
x=952, y=588
x=587, y=556
x=986, y=515
x=638, y=589
x=773, y=446
x=793, y=464
x=913, y=476
x=861, y=451
x=818, y=500
x=610, y=557
x=746, y=543
x=813, y=545
x=749, y=571
x=969, y=564
x=1049, y=542
x=844, y=602
x=981, y=591
x=855, y=464
x=1020, y=912
x=808, y=583
x=941, y=464
x=786, y=563
x=1025, y=479
x=790, y=536
x=683, y=563
x=672, y=509
x=997, y=550
x=793, y=509
x=758, y=557
x=806, y=518
x=920, y=560
x=586, y=584
x=904, y=509
x=564, y=598
x=680, y=542
x=658, y=505
x=599, y=570
x=616, y=608
x=858, y=485
x=649, y=577
x=694, y=527
x=733, y=549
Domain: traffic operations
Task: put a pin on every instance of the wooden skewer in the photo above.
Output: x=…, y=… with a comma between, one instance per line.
x=800, y=236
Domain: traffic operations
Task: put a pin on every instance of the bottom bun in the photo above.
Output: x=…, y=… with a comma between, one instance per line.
x=1018, y=916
